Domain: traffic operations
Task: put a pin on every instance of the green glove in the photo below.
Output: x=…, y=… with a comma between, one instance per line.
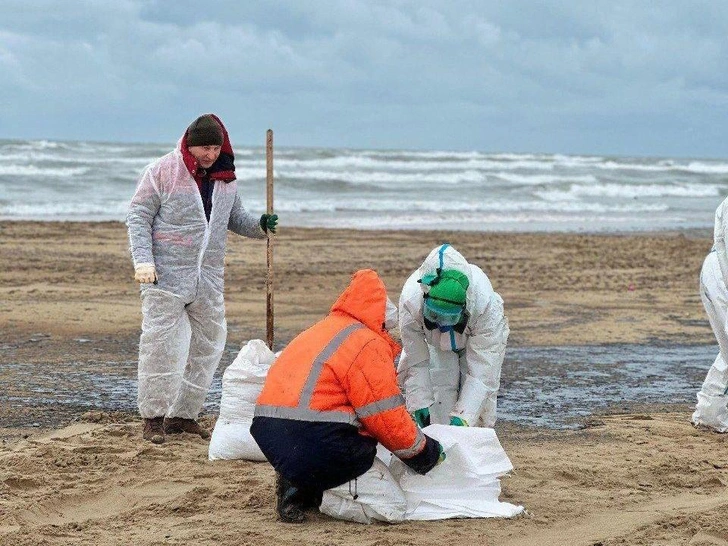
x=422, y=417
x=442, y=456
x=458, y=422
x=268, y=222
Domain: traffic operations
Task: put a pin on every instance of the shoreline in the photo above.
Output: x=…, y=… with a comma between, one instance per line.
x=693, y=232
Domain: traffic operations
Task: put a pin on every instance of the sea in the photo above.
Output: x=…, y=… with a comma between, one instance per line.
x=385, y=189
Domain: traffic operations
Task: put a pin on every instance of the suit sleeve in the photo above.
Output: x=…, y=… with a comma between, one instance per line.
x=371, y=386
x=719, y=234
x=414, y=364
x=143, y=208
x=484, y=352
x=243, y=223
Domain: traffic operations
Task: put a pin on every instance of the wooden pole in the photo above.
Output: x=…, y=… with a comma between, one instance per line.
x=269, y=243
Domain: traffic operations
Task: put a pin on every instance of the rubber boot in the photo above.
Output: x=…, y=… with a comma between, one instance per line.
x=178, y=425
x=287, y=507
x=154, y=430
x=309, y=500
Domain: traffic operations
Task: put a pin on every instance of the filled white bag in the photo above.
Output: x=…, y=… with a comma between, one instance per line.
x=375, y=495
x=242, y=382
x=465, y=485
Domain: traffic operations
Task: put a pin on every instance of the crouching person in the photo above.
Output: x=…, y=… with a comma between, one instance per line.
x=331, y=396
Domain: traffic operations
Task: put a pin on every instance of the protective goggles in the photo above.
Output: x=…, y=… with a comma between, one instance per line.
x=442, y=317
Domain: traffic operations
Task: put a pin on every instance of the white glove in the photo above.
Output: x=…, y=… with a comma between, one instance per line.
x=145, y=273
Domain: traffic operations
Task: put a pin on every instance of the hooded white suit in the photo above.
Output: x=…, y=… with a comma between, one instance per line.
x=453, y=373
x=712, y=407
x=183, y=324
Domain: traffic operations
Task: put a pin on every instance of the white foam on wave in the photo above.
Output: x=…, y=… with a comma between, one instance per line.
x=384, y=179
x=108, y=210
x=433, y=154
x=36, y=157
x=348, y=163
x=494, y=222
x=576, y=160
x=630, y=191
x=32, y=170
x=540, y=179
x=397, y=205
x=667, y=165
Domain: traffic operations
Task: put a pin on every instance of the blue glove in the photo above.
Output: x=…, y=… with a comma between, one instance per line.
x=422, y=417
x=442, y=456
x=268, y=222
x=458, y=422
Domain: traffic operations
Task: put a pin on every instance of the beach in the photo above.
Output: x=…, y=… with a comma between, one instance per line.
x=73, y=476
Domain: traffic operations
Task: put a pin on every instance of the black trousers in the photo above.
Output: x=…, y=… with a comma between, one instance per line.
x=311, y=455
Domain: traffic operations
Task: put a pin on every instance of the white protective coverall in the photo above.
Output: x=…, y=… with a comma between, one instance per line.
x=712, y=407
x=452, y=373
x=183, y=324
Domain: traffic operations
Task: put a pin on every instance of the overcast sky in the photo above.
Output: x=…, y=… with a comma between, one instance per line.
x=590, y=77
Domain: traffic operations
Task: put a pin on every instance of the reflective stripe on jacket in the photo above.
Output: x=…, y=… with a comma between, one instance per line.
x=341, y=370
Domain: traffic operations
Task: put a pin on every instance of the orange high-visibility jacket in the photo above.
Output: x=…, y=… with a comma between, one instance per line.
x=341, y=370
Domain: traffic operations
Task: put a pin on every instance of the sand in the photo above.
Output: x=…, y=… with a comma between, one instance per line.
x=633, y=479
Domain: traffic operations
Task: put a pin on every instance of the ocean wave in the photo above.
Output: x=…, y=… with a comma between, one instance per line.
x=539, y=179
x=339, y=164
x=433, y=154
x=117, y=210
x=631, y=191
x=666, y=166
x=109, y=210
x=384, y=179
x=32, y=170
x=398, y=206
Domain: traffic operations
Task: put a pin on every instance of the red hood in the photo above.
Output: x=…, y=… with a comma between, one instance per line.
x=227, y=157
x=365, y=299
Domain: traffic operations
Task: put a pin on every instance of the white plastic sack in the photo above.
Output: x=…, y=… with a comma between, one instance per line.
x=378, y=497
x=242, y=382
x=465, y=485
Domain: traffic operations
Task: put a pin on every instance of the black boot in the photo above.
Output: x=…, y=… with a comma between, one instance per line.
x=287, y=506
x=309, y=499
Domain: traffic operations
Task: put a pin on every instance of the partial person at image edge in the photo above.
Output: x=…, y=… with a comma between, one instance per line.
x=712, y=407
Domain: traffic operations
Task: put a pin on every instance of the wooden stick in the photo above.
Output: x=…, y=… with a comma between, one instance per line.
x=269, y=244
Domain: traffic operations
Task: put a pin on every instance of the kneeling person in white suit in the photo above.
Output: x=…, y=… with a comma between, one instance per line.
x=712, y=407
x=454, y=333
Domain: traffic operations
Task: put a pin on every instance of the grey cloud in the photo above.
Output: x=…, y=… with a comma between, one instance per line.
x=418, y=73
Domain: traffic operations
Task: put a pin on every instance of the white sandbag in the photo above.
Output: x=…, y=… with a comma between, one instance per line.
x=233, y=441
x=374, y=495
x=242, y=382
x=465, y=485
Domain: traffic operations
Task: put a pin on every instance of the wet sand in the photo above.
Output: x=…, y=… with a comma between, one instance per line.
x=68, y=296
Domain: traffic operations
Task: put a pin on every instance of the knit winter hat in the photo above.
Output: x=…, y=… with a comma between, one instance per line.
x=204, y=131
x=447, y=290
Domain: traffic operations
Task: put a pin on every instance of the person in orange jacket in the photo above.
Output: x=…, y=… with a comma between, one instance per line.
x=331, y=396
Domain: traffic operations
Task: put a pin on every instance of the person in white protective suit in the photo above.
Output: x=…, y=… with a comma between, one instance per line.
x=184, y=204
x=712, y=407
x=454, y=333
